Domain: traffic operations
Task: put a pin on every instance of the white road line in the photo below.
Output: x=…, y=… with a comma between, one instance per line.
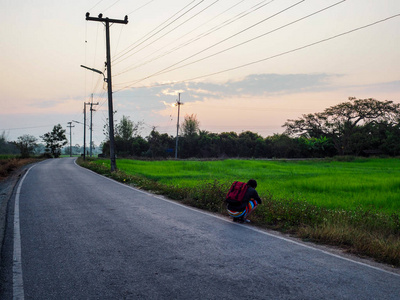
x=246, y=226
x=18, y=282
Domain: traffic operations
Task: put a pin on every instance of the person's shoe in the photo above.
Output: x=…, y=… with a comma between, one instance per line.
x=246, y=221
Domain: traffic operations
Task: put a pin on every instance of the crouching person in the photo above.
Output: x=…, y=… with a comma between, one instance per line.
x=241, y=210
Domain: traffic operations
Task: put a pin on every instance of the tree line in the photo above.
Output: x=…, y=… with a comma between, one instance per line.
x=355, y=127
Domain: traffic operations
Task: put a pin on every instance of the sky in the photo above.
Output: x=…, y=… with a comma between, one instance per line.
x=238, y=65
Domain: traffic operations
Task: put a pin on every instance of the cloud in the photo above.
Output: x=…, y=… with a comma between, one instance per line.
x=252, y=85
x=263, y=86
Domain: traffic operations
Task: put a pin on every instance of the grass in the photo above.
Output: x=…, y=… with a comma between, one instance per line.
x=352, y=204
x=372, y=184
x=9, y=163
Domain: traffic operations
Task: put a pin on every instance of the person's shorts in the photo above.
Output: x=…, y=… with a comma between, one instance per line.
x=237, y=214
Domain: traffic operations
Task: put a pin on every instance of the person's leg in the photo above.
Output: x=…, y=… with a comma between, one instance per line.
x=236, y=215
x=250, y=208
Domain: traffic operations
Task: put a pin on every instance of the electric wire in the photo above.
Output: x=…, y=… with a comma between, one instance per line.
x=96, y=5
x=253, y=39
x=200, y=36
x=176, y=27
x=135, y=10
x=270, y=57
x=127, y=50
x=220, y=42
x=111, y=6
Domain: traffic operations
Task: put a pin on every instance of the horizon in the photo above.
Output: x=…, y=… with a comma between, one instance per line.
x=242, y=66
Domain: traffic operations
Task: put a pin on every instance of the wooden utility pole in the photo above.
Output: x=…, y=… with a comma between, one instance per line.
x=107, y=22
x=178, y=103
x=84, y=130
x=91, y=124
x=70, y=138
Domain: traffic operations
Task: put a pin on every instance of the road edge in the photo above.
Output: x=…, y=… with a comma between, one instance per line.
x=7, y=189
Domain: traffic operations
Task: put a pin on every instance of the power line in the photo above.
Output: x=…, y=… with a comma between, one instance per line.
x=135, y=10
x=253, y=39
x=111, y=6
x=96, y=5
x=204, y=34
x=224, y=40
x=18, y=128
x=274, y=56
x=132, y=45
x=191, y=18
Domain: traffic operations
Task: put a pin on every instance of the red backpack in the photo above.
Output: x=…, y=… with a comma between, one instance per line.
x=236, y=192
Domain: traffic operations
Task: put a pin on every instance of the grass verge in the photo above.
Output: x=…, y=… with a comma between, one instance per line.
x=10, y=163
x=359, y=231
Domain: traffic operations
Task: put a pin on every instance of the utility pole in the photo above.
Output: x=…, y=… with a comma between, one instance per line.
x=178, y=103
x=107, y=22
x=91, y=124
x=84, y=130
x=70, y=138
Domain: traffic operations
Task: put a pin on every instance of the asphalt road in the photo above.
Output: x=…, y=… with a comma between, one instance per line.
x=72, y=234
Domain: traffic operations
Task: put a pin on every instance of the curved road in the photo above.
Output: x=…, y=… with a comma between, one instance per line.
x=73, y=234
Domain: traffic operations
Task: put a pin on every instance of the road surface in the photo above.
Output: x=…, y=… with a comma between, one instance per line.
x=73, y=234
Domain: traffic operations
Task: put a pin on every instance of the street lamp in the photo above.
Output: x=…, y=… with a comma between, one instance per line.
x=95, y=70
x=110, y=113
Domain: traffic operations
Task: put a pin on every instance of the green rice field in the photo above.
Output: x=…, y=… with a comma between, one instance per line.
x=370, y=184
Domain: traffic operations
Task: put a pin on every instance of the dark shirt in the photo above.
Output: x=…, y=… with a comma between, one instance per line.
x=251, y=193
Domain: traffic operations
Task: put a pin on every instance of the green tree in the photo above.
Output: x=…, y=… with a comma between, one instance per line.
x=126, y=129
x=190, y=125
x=283, y=146
x=208, y=144
x=160, y=145
x=126, y=132
x=341, y=123
x=229, y=143
x=26, y=144
x=188, y=143
x=247, y=141
x=55, y=140
x=5, y=146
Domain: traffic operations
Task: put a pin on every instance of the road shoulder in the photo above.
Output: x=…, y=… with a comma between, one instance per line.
x=7, y=187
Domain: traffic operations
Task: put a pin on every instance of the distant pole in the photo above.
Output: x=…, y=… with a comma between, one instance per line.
x=70, y=138
x=91, y=124
x=107, y=22
x=178, y=103
x=84, y=131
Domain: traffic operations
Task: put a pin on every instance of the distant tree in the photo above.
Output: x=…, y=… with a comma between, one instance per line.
x=283, y=146
x=342, y=123
x=190, y=125
x=188, y=143
x=5, y=146
x=247, y=141
x=208, y=144
x=26, y=144
x=391, y=145
x=55, y=140
x=160, y=145
x=229, y=143
x=126, y=132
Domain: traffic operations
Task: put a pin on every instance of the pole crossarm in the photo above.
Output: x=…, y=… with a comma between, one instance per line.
x=107, y=20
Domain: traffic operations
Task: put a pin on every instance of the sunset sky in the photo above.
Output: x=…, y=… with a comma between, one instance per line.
x=239, y=64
